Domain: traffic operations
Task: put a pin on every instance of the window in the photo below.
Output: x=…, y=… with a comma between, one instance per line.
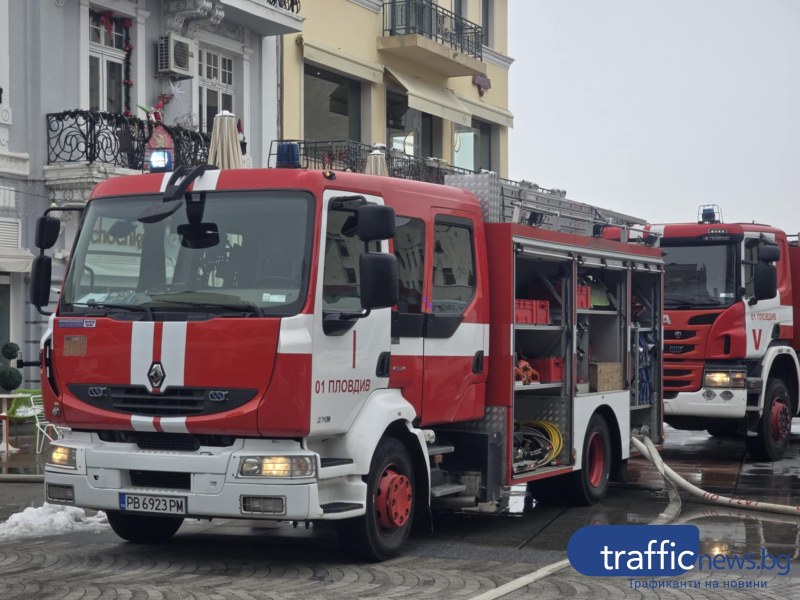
x=408, y=129
x=340, y=282
x=106, y=65
x=472, y=146
x=250, y=253
x=216, y=88
x=331, y=106
x=453, y=266
x=487, y=6
x=409, y=248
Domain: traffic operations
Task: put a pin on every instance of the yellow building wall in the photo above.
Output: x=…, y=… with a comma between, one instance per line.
x=323, y=26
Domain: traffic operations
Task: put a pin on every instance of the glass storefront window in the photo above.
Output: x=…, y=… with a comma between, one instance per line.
x=331, y=107
x=408, y=129
x=472, y=146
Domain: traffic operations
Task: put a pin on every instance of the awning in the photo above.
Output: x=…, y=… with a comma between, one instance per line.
x=487, y=112
x=432, y=99
x=15, y=260
x=341, y=62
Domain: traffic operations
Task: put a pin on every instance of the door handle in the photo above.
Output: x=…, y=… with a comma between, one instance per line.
x=477, y=362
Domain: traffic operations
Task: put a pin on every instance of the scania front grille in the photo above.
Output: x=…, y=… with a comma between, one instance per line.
x=173, y=402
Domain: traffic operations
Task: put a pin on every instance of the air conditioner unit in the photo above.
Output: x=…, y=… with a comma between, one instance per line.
x=175, y=56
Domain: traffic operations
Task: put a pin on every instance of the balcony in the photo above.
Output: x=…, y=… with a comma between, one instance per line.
x=264, y=17
x=425, y=33
x=348, y=155
x=82, y=136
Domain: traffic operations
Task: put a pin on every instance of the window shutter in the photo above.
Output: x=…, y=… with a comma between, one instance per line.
x=9, y=234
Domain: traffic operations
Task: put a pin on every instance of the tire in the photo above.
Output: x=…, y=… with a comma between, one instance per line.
x=774, y=425
x=143, y=529
x=589, y=485
x=724, y=428
x=383, y=530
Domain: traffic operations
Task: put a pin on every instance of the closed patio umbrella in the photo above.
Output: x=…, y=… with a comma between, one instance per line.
x=225, y=151
x=376, y=163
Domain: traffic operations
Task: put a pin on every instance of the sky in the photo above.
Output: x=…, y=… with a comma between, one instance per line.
x=655, y=107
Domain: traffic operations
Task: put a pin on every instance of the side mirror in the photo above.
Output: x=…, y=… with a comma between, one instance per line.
x=769, y=253
x=378, y=280
x=375, y=222
x=765, y=281
x=41, y=276
x=47, y=230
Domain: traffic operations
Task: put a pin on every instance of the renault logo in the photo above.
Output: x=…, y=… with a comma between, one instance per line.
x=156, y=375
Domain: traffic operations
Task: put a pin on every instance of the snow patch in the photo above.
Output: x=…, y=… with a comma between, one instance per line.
x=51, y=519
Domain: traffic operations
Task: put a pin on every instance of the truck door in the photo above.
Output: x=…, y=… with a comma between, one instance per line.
x=456, y=336
x=350, y=351
x=763, y=317
x=408, y=318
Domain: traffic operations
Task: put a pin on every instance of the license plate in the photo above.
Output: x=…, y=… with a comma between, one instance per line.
x=166, y=505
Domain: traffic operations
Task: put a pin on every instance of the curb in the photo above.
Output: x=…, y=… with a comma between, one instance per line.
x=20, y=478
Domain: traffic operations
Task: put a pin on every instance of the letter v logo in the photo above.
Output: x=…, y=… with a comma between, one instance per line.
x=757, y=337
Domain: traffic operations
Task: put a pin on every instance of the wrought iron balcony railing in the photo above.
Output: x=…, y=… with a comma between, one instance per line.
x=424, y=17
x=348, y=155
x=290, y=5
x=100, y=137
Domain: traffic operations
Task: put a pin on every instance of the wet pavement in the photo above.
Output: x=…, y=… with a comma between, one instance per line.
x=466, y=554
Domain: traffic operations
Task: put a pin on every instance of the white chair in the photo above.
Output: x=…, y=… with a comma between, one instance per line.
x=45, y=430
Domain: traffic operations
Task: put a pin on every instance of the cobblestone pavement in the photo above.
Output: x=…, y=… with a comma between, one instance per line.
x=465, y=557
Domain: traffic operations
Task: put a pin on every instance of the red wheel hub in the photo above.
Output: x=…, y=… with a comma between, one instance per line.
x=779, y=420
x=596, y=460
x=393, y=500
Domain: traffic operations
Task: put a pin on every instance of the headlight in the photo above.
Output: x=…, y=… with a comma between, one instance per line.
x=62, y=456
x=725, y=379
x=277, y=466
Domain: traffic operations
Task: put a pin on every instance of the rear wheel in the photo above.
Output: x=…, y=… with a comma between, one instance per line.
x=773, y=428
x=589, y=485
x=143, y=529
x=382, y=531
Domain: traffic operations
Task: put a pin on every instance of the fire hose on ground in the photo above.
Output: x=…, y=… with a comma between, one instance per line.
x=673, y=481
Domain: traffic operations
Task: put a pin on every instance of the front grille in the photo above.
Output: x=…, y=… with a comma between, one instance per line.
x=173, y=402
x=678, y=334
x=677, y=348
x=706, y=319
x=163, y=480
x=166, y=441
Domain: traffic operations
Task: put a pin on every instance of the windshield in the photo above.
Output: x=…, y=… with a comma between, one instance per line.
x=699, y=276
x=243, y=253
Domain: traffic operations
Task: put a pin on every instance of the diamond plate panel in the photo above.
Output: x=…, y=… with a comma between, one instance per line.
x=486, y=187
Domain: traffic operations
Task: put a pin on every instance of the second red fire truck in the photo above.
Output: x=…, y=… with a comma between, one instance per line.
x=731, y=297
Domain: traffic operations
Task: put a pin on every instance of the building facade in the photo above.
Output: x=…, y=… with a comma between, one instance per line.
x=83, y=84
x=78, y=82
x=427, y=79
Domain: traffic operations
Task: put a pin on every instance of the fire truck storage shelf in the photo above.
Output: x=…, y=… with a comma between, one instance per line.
x=573, y=305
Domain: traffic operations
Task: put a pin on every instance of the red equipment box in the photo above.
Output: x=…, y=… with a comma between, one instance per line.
x=584, y=296
x=532, y=312
x=550, y=369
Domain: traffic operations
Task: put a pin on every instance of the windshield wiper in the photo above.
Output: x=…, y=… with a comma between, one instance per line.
x=247, y=308
x=94, y=304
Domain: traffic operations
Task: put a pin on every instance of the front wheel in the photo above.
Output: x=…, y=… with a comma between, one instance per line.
x=589, y=485
x=143, y=529
x=382, y=531
x=774, y=425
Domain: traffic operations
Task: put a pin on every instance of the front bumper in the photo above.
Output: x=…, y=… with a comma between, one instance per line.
x=103, y=472
x=694, y=404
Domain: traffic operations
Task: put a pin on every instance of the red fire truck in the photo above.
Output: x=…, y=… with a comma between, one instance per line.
x=730, y=361
x=307, y=345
